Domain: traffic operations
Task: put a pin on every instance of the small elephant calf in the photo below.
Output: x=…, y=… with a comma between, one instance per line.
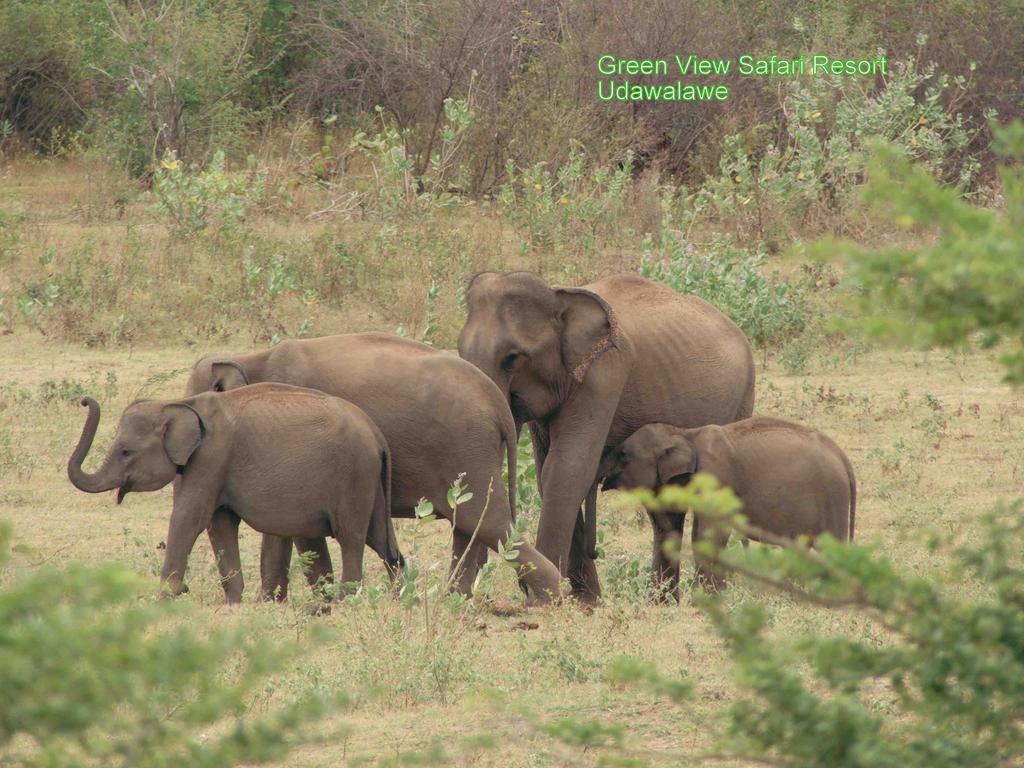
x=289, y=461
x=792, y=481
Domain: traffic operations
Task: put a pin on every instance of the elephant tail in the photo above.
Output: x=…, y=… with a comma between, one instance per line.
x=853, y=491
x=393, y=555
x=747, y=404
x=590, y=522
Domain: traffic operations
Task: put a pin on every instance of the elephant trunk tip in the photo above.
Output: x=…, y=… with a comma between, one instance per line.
x=90, y=483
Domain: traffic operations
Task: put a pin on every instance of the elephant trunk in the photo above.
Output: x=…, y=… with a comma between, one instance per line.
x=98, y=481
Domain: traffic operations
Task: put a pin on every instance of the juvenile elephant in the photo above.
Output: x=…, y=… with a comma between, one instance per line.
x=288, y=461
x=587, y=367
x=793, y=481
x=441, y=417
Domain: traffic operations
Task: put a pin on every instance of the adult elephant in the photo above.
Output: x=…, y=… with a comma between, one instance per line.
x=585, y=368
x=441, y=418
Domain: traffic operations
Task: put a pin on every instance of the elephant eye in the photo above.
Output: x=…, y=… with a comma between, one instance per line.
x=509, y=360
x=126, y=452
x=218, y=387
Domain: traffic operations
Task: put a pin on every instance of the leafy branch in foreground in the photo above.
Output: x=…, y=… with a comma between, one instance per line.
x=964, y=282
x=935, y=679
x=951, y=669
x=92, y=671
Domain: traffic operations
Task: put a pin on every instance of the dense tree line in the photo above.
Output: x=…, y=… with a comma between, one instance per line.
x=136, y=78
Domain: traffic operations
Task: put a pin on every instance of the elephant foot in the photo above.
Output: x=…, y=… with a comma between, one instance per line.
x=543, y=583
x=534, y=600
x=277, y=594
x=320, y=609
x=540, y=598
x=586, y=596
x=584, y=606
x=522, y=587
x=665, y=590
x=544, y=595
x=172, y=588
x=586, y=586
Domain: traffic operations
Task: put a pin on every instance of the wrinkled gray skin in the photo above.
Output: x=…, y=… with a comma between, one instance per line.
x=585, y=368
x=288, y=461
x=793, y=481
x=440, y=416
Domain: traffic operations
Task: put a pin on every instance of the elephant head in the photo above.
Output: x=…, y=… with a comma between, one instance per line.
x=653, y=456
x=532, y=340
x=153, y=441
x=213, y=374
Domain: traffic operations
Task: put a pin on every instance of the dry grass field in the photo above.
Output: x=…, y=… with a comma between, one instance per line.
x=180, y=178
x=935, y=440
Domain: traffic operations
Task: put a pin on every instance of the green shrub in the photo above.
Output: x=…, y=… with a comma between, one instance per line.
x=774, y=179
x=94, y=673
x=964, y=282
x=566, y=209
x=935, y=680
x=189, y=202
x=939, y=681
x=767, y=309
x=527, y=492
x=173, y=78
x=44, y=80
x=398, y=183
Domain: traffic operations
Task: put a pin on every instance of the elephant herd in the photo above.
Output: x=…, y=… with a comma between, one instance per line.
x=623, y=380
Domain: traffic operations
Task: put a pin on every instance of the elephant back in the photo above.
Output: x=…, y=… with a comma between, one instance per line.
x=691, y=364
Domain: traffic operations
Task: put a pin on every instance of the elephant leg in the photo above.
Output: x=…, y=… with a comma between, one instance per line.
x=535, y=571
x=352, y=549
x=472, y=558
x=570, y=467
x=191, y=515
x=223, y=533
x=668, y=534
x=539, y=441
x=582, y=570
x=707, y=573
x=275, y=559
x=321, y=570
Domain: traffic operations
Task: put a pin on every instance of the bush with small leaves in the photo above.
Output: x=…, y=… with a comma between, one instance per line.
x=191, y=201
x=769, y=310
x=92, y=672
x=569, y=207
x=962, y=283
x=938, y=682
x=774, y=179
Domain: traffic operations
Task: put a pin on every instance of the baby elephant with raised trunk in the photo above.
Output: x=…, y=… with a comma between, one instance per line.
x=793, y=481
x=289, y=461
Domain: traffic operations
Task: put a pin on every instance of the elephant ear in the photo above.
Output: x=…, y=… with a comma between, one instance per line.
x=184, y=430
x=227, y=374
x=678, y=459
x=589, y=328
x=476, y=279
